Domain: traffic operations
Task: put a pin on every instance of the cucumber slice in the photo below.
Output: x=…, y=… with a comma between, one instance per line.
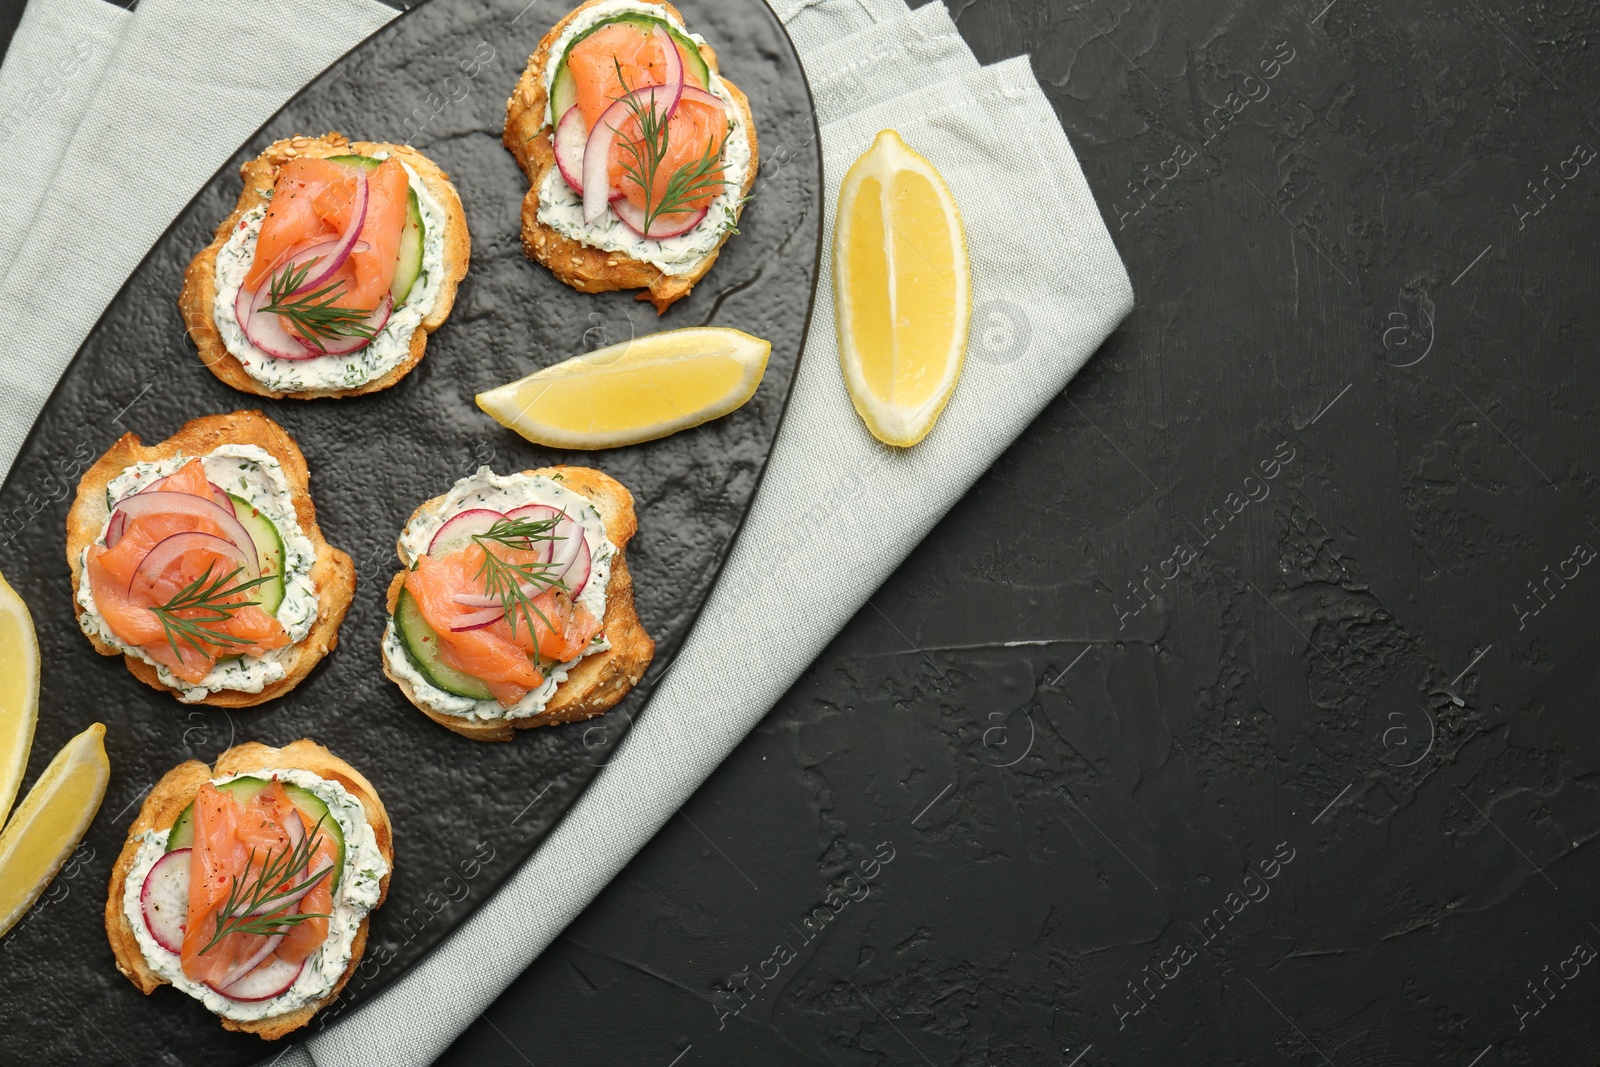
x=410, y=265
x=356, y=161
x=422, y=645
x=244, y=790
x=269, y=551
x=313, y=808
x=563, y=89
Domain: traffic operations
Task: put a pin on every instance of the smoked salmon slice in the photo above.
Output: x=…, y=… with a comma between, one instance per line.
x=619, y=58
x=232, y=842
x=596, y=61
x=312, y=203
x=509, y=660
x=126, y=605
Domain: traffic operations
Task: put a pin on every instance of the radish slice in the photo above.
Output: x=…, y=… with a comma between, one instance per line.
x=537, y=513
x=663, y=226
x=158, y=502
x=568, y=538
x=266, y=331
x=663, y=99
x=271, y=979
x=169, y=550
x=164, y=899
x=458, y=532
x=569, y=141
x=577, y=575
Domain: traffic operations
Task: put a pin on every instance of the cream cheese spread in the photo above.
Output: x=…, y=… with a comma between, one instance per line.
x=254, y=475
x=561, y=206
x=388, y=349
x=504, y=492
x=360, y=886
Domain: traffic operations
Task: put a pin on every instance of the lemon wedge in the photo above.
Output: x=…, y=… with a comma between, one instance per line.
x=51, y=821
x=902, y=290
x=19, y=693
x=640, y=390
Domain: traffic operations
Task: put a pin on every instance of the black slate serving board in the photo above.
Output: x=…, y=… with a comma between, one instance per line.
x=465, y=814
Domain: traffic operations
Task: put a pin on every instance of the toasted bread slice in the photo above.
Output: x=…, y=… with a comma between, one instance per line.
x=260, y=175
x=598, y=681
x=175, y=791
x=333, y=572
x=586, y=269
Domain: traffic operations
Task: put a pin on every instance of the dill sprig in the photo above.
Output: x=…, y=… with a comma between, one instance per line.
x=314, y=314
x=685, y=184
x=205, y=602
x=504, y=578
x=278, y=870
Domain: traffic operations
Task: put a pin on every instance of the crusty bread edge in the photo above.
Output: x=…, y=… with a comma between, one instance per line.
x=586, y=269
x=166, y=801
x=260, y=174
x=598, y=682
x=333, y=572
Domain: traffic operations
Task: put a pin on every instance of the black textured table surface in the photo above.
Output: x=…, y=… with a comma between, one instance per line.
x=1244, y=714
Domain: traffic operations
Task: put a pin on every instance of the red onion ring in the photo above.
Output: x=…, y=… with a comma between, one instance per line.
x=268, y=332
x=239, y=970
x=478, y=619
x=293, y=898
x=159, y=502
x=169, y=550
x=341, y=247
x=484, y=600
x=219, y=494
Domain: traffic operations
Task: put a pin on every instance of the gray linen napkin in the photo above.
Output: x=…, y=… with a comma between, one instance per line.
x=57, y=56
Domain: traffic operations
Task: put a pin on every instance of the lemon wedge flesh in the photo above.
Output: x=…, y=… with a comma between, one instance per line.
x=51, y=821
x=902, y=290
x=19, y=693
x=636, y=391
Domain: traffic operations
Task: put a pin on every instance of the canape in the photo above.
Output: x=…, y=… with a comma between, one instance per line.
x=515, y=608
x=199, y=561
x=338, y=261
x=639, y=154
x=248, y=885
